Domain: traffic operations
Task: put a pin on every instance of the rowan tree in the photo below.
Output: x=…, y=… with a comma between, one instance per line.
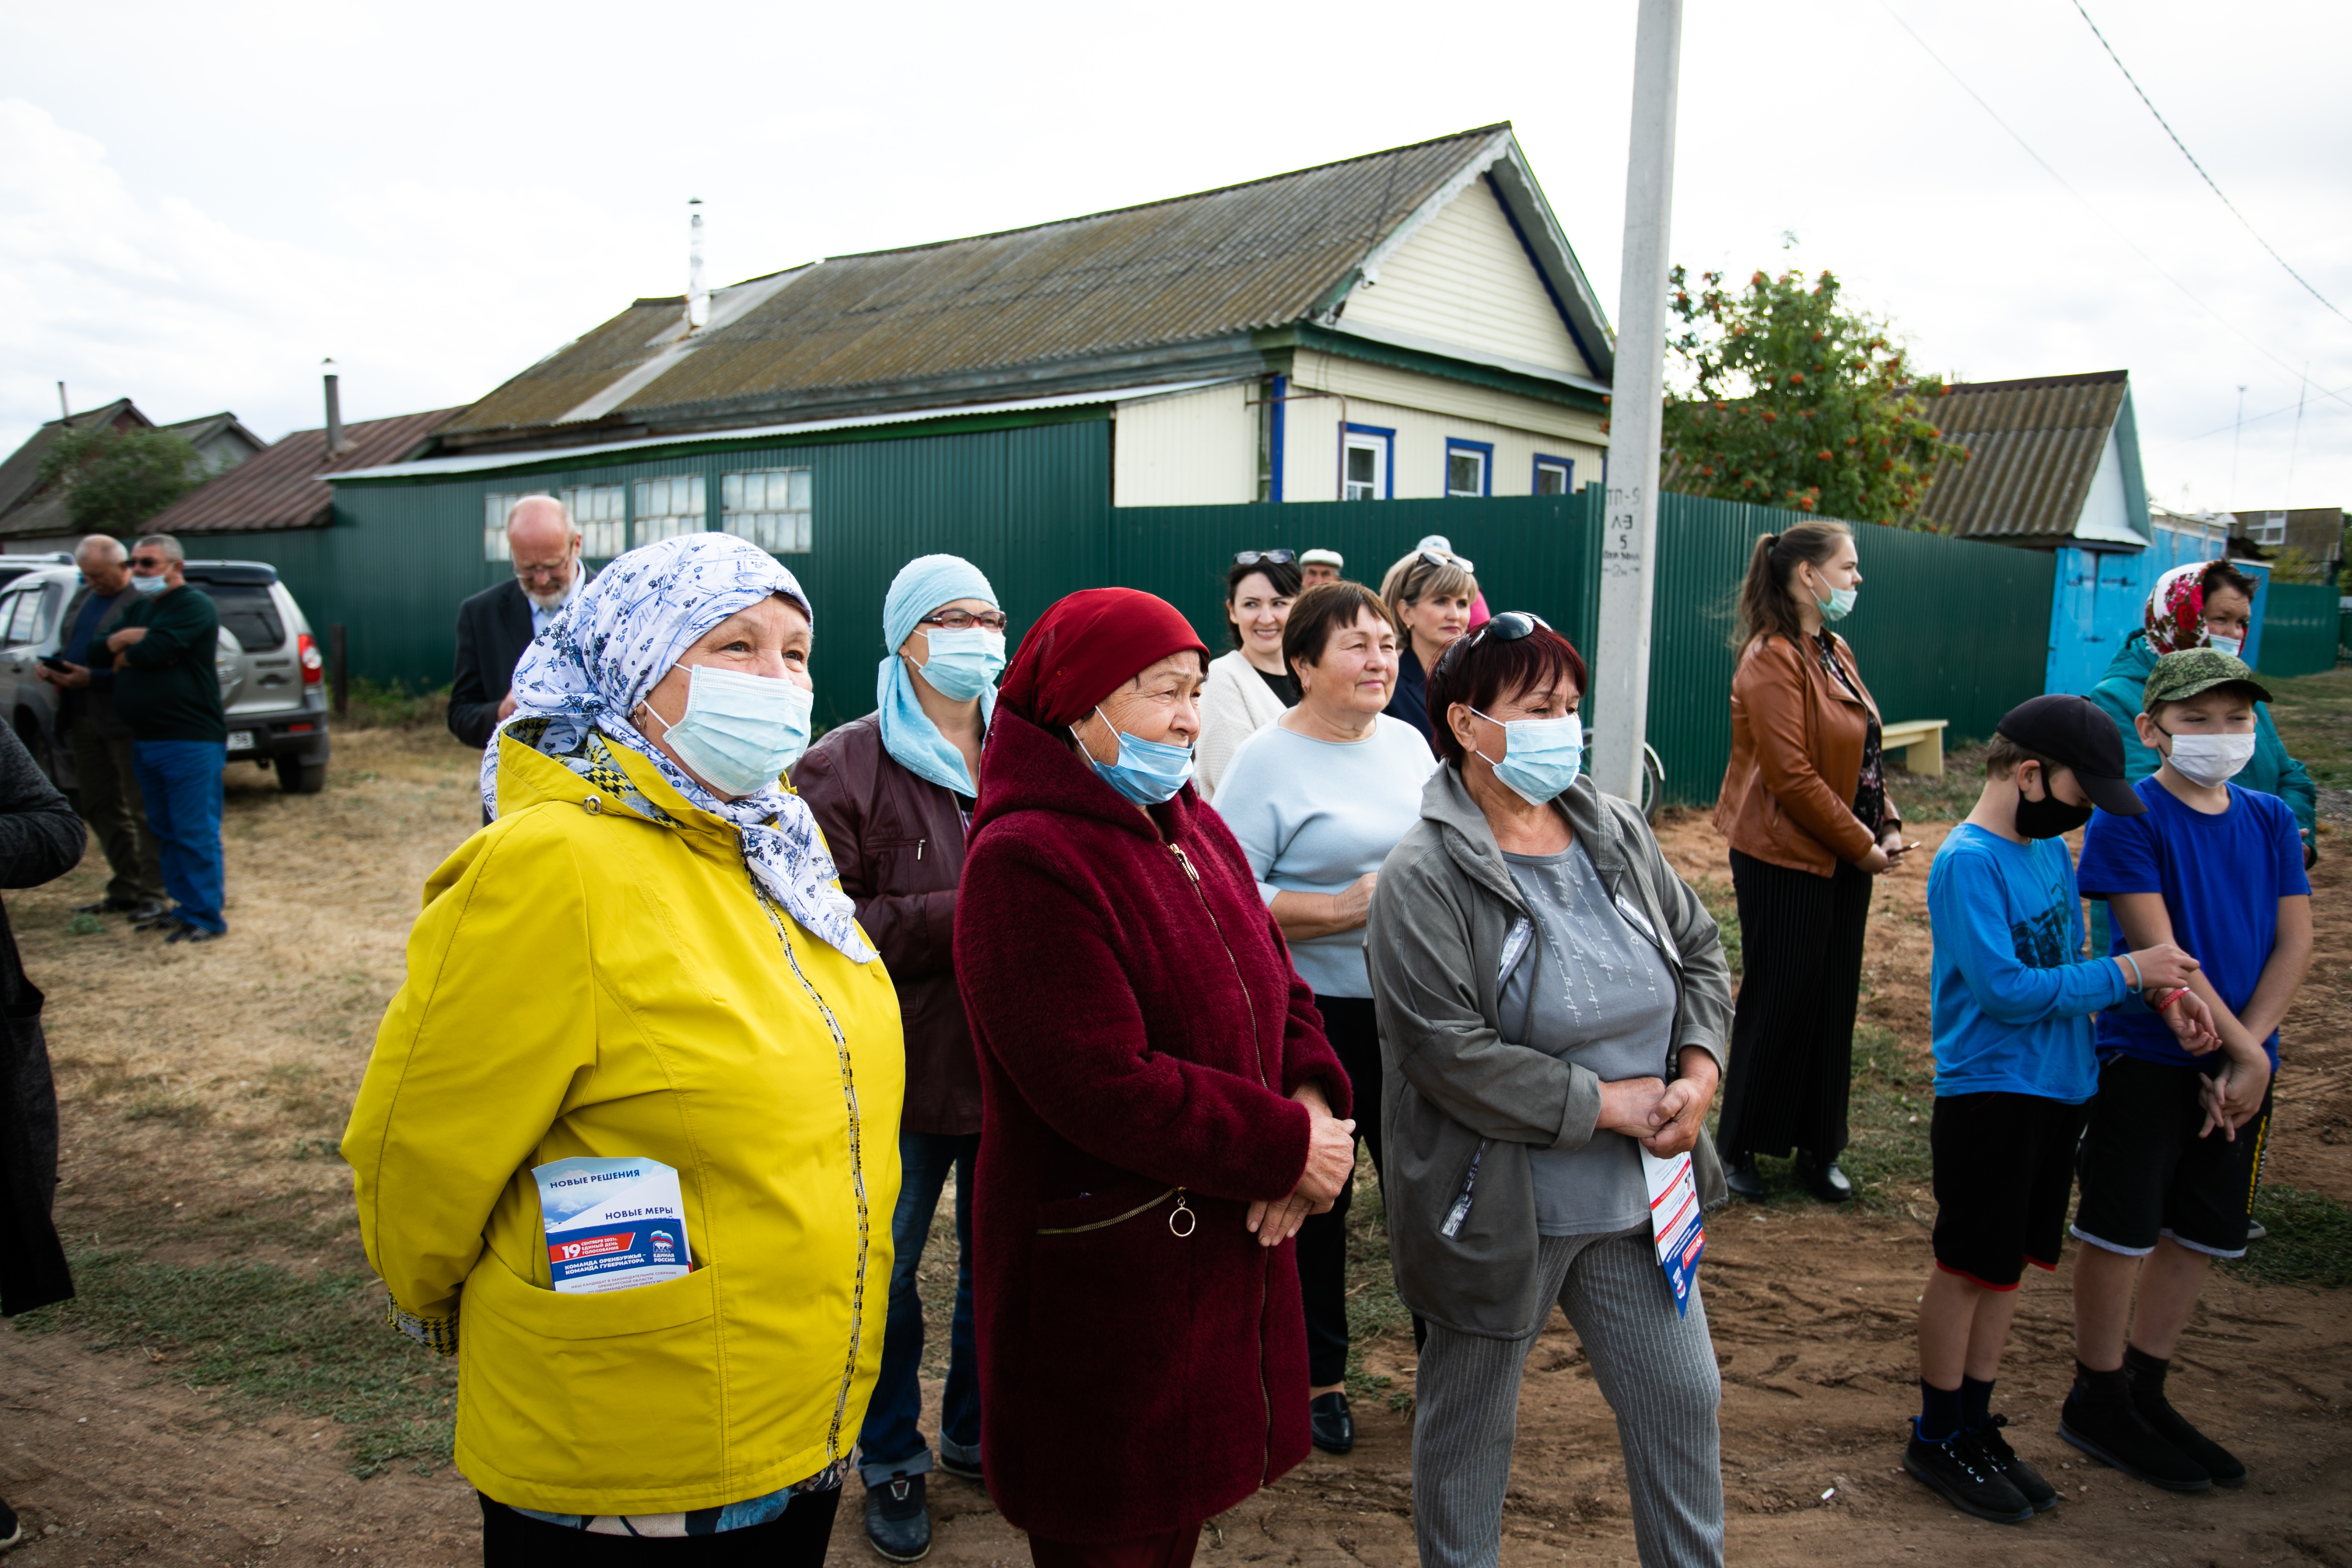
x=1795, y=401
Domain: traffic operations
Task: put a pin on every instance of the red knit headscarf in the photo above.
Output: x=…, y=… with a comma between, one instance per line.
x=1087, y=647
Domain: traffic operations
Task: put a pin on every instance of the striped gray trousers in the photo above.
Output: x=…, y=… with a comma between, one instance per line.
x=1656, y=1369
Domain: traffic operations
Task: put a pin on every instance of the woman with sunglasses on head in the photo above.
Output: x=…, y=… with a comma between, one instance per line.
x=1251, y=687
x=1552, y=1001
x=1317, y=799
x=1805, y=810
x=893, y=792
x=1429, y=595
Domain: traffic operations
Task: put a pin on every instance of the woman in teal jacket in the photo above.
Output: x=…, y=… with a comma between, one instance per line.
x=2207, y=604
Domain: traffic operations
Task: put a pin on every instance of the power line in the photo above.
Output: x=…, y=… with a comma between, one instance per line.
x=2193, y=164
x=2122, y=234
x=2257, y=418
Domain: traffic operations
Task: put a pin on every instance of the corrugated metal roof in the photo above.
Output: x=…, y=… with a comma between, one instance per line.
x=1013, y=310
x=279, y=488
x=2033, y=446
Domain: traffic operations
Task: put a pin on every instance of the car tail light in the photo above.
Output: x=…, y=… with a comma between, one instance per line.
x=314, y=669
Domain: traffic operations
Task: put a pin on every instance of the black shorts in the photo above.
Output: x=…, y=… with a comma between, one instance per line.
x=2145, y=1173
x=2004, y=1168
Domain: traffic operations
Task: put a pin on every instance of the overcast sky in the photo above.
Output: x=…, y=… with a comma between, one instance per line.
x=199, y=203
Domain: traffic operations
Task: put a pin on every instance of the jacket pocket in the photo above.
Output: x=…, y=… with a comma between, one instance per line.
x=1114, y=1206
x=607, y=1393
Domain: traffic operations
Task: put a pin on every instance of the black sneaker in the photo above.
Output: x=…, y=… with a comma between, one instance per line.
x=1957, y=1469
x=2038, y=1493
x=12, y=1530
x=961, y=1469
x=1744, y=1179
x=2174, y=1429
x=897, y=1520
x=1329, y=1425
x=2119, y=1435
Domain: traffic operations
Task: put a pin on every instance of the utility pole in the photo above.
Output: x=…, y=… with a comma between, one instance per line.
x=1629, y=539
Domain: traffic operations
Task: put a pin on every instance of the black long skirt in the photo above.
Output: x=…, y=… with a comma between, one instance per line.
x=1792, y=1036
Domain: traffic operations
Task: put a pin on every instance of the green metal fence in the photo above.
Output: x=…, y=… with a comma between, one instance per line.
x=2301, y=628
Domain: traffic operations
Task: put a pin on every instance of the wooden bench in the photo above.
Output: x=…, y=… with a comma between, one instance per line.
x=1921, y=741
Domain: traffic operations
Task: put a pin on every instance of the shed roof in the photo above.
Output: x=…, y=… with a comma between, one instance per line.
x=2033, y=446
x=1142, y=293
x=279, y=488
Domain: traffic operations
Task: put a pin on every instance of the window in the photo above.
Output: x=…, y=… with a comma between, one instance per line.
x=597, y=512
x=1468, y=467
x=2271, y=530
x=23, y=619
x=250, y=613
x=1366, y=458
x=667, y=508
x=769, y=507
x=494, y=524
x=1555, y=476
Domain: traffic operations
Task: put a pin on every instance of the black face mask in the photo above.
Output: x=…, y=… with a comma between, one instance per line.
x=2049, y=817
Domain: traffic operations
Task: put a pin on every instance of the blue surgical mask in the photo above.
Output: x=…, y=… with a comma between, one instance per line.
x=2230, y=645
x=1147, y=771
x=740, y=732
x=1839, y=605
x=962, y=664
x=154, y=584
x=1541, y=757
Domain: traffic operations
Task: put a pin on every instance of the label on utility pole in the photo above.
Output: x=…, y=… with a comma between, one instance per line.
x=1621, y=535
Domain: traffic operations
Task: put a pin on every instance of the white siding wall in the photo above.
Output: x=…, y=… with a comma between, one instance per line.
x=1196, y=449
x=1424, y=411
x=1466, y=279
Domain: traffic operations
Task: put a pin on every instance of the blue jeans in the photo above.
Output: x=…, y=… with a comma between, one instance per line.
x=181, y=783
x=891, y=1442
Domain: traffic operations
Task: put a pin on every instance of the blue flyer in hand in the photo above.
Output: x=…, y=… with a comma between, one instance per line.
x=610, y=1223
x=1674, y=1224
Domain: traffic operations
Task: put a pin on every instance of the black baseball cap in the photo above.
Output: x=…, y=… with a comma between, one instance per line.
x=2078, y=735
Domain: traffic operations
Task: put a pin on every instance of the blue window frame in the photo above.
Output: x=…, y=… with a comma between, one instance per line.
x=1367, y=463
x=1559, y=472
x=1469, y=466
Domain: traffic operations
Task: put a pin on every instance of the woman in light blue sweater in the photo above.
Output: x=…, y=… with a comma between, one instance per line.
x=1317, y=799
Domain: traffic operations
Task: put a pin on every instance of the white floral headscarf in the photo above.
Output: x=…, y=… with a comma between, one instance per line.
x=588, y=671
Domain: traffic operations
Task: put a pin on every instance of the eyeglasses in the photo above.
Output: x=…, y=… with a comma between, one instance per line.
x=964, y=620
x=1273, y=557
x=533, y=573
x=1440, y=558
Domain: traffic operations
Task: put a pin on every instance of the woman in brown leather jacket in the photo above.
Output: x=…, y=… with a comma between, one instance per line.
x=1804, y=807
x=894, y=792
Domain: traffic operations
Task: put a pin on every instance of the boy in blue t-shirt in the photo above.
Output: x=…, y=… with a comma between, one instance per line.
x=2011, y=1005
x=2175, y=1141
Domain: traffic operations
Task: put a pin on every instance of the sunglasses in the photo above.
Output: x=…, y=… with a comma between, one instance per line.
x=153, y=563
x=1274, y=557
x=964, y=620
x=1510, y=626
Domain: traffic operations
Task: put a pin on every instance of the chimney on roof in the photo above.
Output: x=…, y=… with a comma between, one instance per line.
x=64, y=409
x=698, y=298
x=336, y=445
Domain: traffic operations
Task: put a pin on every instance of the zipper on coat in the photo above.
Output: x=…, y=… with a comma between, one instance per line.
x=1192, y=1221
x=1266, y=1257
x=918, y=848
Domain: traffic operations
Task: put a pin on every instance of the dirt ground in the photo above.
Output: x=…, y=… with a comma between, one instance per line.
x=202, y=1087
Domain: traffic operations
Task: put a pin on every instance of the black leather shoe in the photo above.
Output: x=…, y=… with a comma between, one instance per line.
x=100, y=907
x=1995, y=1450
x=1826, y=1183
x=195, y=934
x=1745, y=1180
x=147, y=909
x=1329, y=1425
x=897, y=1519
x=963, y=1469
x=1957, y=1469
x=2119, y=1435
x=164, y=921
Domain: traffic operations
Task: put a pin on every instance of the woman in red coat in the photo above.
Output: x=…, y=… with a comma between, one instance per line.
x=1158, y=1107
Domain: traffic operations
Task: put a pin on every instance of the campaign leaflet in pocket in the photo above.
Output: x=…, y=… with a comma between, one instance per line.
x=610, y=1223
x=1675, y=1221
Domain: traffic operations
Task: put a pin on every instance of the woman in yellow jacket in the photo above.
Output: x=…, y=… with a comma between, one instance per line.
x=645, y=958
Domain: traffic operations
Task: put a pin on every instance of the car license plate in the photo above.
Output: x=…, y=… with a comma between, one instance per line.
x=240, y=739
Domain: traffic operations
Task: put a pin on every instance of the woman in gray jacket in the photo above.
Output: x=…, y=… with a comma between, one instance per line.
x=1552, y=1000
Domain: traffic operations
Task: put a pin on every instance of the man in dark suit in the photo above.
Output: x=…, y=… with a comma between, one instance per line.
x=497, y=624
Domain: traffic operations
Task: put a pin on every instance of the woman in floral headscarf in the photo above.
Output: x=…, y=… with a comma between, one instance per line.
x=2206, y=604
x=644, y=959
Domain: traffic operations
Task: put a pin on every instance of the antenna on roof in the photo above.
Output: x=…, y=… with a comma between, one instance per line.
x=698, y=298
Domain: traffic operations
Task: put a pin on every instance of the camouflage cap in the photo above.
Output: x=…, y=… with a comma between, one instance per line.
x=2180, y=676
